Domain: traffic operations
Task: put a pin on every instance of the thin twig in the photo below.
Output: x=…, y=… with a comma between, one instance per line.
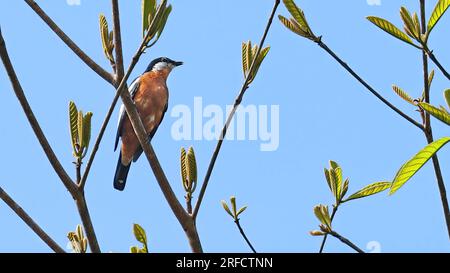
x=237, y=102
x=346, y=241
x=428, y=129
x=30, y=222
x=245, y=236
x=437, y=63
x=87, y=222
x=366, y=85
x=71, y=44
x=117, y=40
x=324, y=240
x=65, y=178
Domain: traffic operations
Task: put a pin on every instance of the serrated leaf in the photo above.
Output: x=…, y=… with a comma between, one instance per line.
x=413, y=165
x=402, y=94
x=390, y=28
x=298, y=15
x=73, y=121
x=447, y=97
x=191, y=166
x=371, y=189
x=337, y=179
x=438, y=11
x=293, y=26
x=440, y=114
x=241, y=210
x=226, y=208
x=86, y=130
x=244, y=58
x=106, y=37
x=148, y=9
x=80, y=129
x=183, y=168
x=139, y=234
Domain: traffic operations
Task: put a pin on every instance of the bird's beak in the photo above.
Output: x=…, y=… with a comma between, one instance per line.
x=178, y=63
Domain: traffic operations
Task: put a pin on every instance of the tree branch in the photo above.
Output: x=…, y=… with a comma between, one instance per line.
x=366, y=85
x=65, y=179
x=237, y=102
x=71, y=44
x=243, y=233
x=428, y=129
x=346, y=241
x=30, y=222
x=436, y=62
x=117, y=40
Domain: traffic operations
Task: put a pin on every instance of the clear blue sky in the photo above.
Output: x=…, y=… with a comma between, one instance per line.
x=324, y=114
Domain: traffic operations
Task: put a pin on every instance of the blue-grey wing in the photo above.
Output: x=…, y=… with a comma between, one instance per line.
x=133, y=90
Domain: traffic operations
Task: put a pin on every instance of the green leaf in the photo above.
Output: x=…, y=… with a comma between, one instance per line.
x=191, y=165
x=80, y=129
x=73, y=120
x=327, y=177
x=370, y=190
x=333, y=164
x=226, y=208
x=438, y=11
x=134, y=249
x=390, y=28
x=447, y=97
x=139, y=234
x=106, y=37
x=293, y=26
x=148, y=9
x=410, y=27
x=401, y=93
x=414, y=164
x=244, y=58
x=298, y=15
x=183, y=168
x=337, y=179
x=86, y=130
x=233, y=205
x=241, y=210
x=345, y=188
x=163, y=21
x=440, y=114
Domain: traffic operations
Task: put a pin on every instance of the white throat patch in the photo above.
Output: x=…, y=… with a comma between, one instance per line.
x=162, y=65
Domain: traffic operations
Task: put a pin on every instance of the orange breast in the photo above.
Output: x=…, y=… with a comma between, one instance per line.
x=151, y=100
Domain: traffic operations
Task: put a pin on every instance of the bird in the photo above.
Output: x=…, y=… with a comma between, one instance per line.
x=150, y=95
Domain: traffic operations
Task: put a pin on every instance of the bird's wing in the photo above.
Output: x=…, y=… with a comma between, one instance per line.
x=138, y=152
x=133, y=90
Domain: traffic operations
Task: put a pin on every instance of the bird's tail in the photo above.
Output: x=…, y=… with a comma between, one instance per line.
x=120, y=178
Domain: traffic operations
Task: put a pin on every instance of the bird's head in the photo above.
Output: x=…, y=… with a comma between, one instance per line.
x=162, y=64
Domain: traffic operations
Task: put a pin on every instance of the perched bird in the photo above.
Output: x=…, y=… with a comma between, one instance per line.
x=150, y=95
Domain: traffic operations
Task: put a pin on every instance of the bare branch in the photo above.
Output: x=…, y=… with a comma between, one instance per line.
x=237, y=102
x=71, y=44
x=366, y=85
x=346, y=241
x=66, y=180
x=30, y=222
x=241, y=230
x=117, y=40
